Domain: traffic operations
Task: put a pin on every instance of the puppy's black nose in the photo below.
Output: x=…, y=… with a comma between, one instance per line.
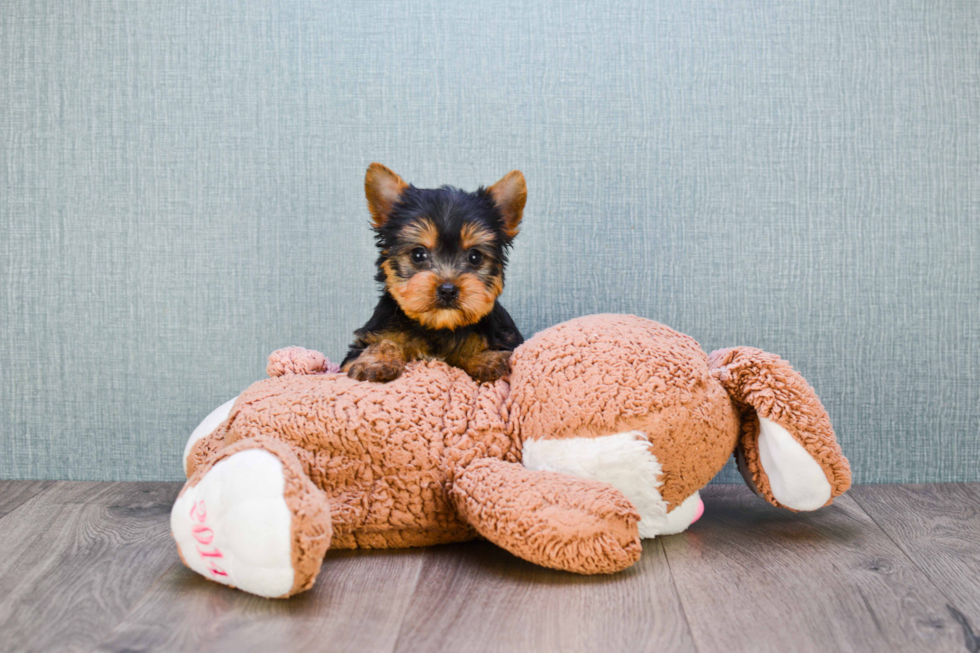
x=448, y=292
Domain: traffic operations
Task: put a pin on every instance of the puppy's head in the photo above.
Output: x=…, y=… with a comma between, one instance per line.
x=443, y=250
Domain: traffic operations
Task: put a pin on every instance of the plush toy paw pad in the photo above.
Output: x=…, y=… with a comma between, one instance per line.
x=234, y=526
x=298, y=360
x=680, y=518
x=699, y=511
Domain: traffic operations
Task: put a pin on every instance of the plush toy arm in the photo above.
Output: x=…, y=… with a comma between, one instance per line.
x=787, y=452
x=550, y=519
x=297, y=360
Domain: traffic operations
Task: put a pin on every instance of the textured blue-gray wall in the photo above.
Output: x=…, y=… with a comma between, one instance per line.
x=181, y=193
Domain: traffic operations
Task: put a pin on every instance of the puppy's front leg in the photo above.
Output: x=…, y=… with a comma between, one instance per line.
x=487, y=365
x=381, y=362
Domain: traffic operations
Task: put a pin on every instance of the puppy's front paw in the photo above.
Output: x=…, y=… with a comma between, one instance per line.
x=490, y=366
x=381, y=362
x=377, y=370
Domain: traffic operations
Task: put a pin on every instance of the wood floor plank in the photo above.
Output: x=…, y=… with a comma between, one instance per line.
x=475, y=597
x=886, y=568
x=757, y=578
x=938, y=527
x=76, y=558
x=14, y=493
x=357, y=604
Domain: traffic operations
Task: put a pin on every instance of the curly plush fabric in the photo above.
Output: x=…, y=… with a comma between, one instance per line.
x=764, y=385
x=605, y=374
x=550, y=519
x=383, y=453
x=434, y=457
x=297, y=360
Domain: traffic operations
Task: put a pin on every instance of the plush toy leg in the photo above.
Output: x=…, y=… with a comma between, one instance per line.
x=550, y=519
x=787, y=452
x=206, y=428
x=251, y=518
x=624, y=461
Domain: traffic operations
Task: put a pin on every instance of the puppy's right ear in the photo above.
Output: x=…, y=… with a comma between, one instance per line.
x=382, y=188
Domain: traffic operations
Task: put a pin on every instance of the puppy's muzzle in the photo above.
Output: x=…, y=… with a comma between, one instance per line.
x=448, y=293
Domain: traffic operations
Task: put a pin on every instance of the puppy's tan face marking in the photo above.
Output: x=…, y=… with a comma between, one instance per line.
x=475, y=236
x=419, y=234
x=477, y=296
x=418, y=297
x=414, y=273
x=443, y=250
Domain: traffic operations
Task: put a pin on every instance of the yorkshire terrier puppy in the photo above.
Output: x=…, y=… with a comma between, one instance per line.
x=442, y=258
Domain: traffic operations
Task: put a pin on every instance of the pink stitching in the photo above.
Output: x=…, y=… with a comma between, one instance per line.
x=202, y=534
x=216, y=571
x=209, y=554
x=205, y=535
x=198, y=511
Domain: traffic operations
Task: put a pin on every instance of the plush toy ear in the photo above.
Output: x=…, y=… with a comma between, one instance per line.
x=787, y=453
x=775, y=465
x=382, y=188
x=510, y=194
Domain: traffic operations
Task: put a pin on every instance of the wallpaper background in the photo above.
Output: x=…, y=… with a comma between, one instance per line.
x=181, y=193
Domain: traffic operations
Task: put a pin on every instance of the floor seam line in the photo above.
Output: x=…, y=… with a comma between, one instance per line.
x=136, y=604
x=904, y=552
x=410, y=602
x=677, y=592
x=33, y=497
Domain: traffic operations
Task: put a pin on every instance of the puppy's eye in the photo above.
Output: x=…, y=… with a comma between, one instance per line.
x=419, y=255
x=475, y=257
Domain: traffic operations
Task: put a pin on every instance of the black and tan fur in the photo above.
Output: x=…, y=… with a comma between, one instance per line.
x=442, y=258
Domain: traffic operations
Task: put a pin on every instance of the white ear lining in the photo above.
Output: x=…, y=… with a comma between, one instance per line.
x=796, y=479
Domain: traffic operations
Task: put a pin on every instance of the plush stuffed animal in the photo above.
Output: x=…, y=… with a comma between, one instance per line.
x=603, y=435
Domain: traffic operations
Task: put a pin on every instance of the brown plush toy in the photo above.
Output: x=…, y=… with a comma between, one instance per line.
x=605, y=432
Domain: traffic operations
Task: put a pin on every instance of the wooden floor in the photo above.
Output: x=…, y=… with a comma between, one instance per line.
x=92, y=567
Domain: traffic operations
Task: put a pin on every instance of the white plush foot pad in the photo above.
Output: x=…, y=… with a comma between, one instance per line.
x=684, y=515
x=234, y=526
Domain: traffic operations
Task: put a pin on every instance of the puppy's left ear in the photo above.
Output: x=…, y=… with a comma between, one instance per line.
x=510, y=194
